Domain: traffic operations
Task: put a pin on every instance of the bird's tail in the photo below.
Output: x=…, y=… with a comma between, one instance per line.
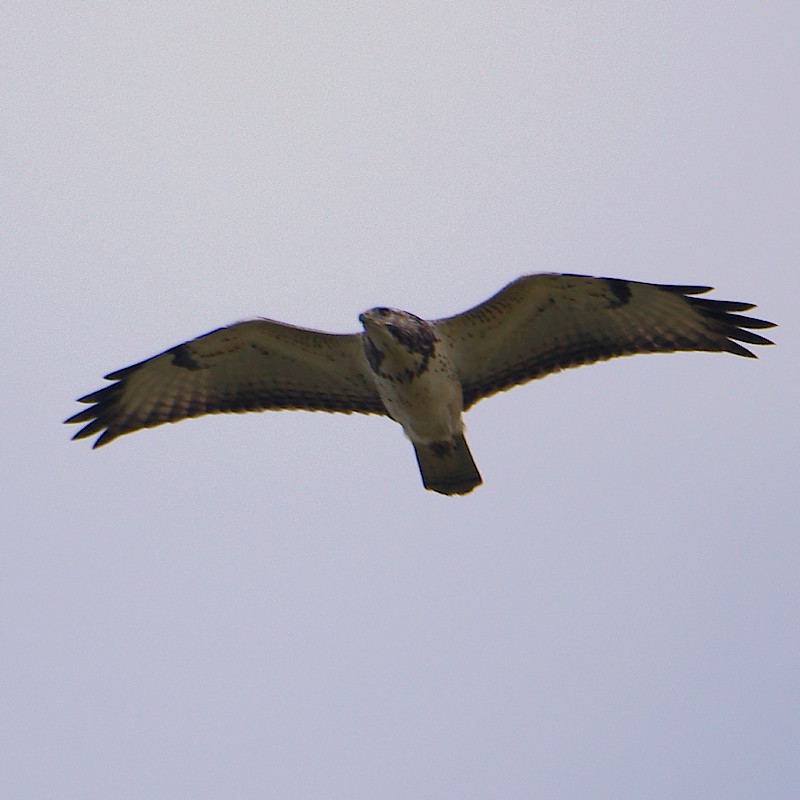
x=447, y=467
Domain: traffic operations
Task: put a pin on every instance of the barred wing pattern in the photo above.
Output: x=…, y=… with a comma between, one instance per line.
x=547, y=322
x=250, y=366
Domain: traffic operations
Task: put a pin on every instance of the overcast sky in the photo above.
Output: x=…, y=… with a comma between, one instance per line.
x=271, y=605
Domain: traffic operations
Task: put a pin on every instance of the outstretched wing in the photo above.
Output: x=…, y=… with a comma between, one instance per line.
x=251, y=366
x=544, y=323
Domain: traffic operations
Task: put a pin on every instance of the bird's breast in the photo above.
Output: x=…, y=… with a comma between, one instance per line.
x=427, y=404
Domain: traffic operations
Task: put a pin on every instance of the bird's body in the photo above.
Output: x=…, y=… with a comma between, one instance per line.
x=418, y=384
x=422, y=374
x=413, y=374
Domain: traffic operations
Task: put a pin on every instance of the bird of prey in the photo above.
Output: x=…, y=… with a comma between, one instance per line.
x=422, y=374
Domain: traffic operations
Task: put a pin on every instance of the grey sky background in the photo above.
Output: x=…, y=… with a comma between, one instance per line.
x=270, y=605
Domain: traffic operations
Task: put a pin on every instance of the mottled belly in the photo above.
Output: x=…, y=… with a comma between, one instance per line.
x=428, y=407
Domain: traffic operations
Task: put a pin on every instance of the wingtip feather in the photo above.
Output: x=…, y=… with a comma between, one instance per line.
x=692, y=290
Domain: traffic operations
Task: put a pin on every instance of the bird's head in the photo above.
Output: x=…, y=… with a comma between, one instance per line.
x=394, y=328
x=397, y=339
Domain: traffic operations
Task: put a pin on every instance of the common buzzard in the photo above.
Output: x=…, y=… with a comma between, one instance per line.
x=422, y=374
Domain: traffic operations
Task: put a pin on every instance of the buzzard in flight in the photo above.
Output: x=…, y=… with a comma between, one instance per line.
x=422, y=374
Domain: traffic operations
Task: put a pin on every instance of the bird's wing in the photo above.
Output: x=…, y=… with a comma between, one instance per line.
x=250, y=366
x=544, y=323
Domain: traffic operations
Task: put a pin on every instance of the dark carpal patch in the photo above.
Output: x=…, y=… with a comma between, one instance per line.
x=620, y=290
x=182, y=357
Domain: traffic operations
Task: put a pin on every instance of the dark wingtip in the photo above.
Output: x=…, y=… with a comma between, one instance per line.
x=82, y=416
x=738, y=350
x=104, y=438
x=722, y=318
x=687, y=289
